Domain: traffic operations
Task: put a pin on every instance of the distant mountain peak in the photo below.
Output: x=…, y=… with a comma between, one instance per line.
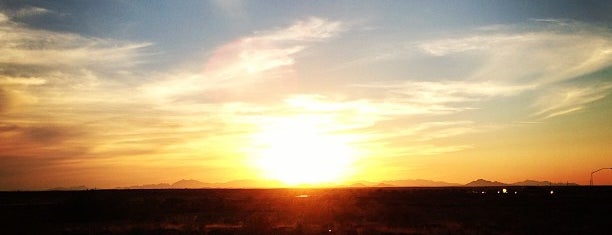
x=485, y=183
x=384, y=185
x=190, y=183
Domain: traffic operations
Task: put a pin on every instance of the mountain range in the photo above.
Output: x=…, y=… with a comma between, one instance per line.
x=486, y=183
x=192, y=184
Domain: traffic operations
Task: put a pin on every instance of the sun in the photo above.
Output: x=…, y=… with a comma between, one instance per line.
x=296, y=152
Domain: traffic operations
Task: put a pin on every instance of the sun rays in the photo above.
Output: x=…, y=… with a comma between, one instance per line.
x=297, y=151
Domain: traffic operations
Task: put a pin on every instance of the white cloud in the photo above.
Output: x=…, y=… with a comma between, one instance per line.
x=3, y=18
x=514, y=64
x=472, y=43
x=49, y=68
x=30, y=11
x=25, y=81
x=536, y=60
x=268, y=50
x=23, y=46
x=256, y=59
x=411, y=98
x=6, y=16
x=568, y=99
x=313, y=29
x=446, y=92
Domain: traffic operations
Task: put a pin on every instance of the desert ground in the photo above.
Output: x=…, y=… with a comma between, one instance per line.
x=447, y=210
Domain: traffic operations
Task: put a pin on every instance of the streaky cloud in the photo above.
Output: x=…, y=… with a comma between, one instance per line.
x=568, y=99
x=250, y=61
x=537, y=59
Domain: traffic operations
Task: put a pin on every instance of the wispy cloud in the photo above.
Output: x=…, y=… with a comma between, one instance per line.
x=535, y=60
x=45, y=71
x=257, y=60
x=46, y=62
x=52, y=88
x=553, y=54
x=31, y=11
x=567, y=99
x=427, y=131
x=312, y=29
x=267, y=50
x=446, y=92
x=20, y=45
x=58, y=98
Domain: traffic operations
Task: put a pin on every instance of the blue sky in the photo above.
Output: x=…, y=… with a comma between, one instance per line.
x=186, y=29
x=372, y=90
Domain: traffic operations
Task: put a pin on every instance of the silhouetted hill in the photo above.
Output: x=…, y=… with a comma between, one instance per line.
x=362, y=183
x=148, y=186
x=384, y=185
x=484, y=183
x=190, y=184
x=75, y=188
x=194, y=184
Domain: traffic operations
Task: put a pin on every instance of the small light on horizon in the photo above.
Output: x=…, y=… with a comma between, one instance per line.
x=302, y=195
x=504, y=191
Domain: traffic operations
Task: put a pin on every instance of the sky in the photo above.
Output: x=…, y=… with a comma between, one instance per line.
x=118, y=93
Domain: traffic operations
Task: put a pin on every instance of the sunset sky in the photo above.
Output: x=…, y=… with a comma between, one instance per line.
x=118, y=93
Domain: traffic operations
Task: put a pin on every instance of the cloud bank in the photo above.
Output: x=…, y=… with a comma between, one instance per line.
x=71, y=103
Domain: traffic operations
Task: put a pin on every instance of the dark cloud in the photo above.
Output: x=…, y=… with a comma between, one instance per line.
x=8, y=127
x=44, y=134
x=30, y=137
x=23, y=172
x=4, y=100
x=19, y=70
x=30, y=156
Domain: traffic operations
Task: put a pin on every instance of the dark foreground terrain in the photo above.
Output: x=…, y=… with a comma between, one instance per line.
x=457, y=210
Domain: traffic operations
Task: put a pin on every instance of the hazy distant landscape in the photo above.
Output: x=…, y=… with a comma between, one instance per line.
x=195, y=184
x=388, y=210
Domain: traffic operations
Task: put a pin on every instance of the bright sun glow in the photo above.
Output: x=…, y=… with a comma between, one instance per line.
x=295, y=151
